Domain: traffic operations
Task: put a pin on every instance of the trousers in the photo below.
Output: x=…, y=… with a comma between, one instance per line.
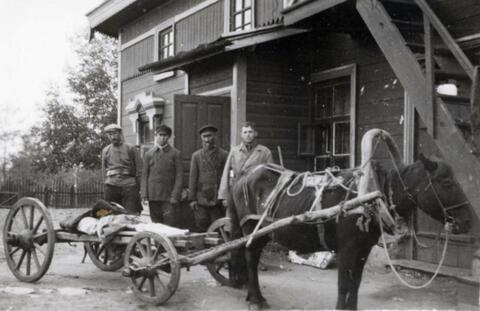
x=162, y=212
x=128, y=197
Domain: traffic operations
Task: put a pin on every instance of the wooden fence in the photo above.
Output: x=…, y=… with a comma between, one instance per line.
x=53, y=193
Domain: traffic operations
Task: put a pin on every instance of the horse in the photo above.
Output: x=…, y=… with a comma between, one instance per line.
x=426, y=184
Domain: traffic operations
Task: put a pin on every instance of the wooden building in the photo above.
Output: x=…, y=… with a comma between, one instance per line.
x=314, y=75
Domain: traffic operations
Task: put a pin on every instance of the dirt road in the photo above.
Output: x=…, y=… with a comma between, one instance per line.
x=70, y=285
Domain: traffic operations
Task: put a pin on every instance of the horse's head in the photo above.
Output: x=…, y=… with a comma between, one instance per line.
x=439, y=195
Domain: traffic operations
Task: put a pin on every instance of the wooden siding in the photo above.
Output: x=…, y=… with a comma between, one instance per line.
x=277, y=101
x=155, y=17
x=166, y=89
x=268, y=12
x=211, y=75
x=380, y=96
x=462, y=17
x=135, y=56
x=202, y=27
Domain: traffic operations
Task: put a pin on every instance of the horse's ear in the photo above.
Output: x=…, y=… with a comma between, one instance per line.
x=427, y=163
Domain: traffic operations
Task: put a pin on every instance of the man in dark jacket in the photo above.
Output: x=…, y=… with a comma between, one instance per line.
x=206, y=170
x=162, y=177
x=121, y=171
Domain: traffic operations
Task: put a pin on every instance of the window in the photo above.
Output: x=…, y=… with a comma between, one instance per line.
x=330, y=133
x=165, y=44
x=144, y=132
x=331, y=106
x=241, y=15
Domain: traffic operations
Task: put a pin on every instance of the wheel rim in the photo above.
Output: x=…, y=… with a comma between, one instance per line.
x=156, y=270
x=106, y=257
x=28, y=239
x=220, y=268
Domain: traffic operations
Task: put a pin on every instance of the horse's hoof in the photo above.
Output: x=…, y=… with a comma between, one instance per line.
x=258, y=306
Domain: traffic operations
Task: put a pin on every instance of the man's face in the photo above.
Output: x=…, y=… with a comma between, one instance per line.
x=115, y=137
x=208, y=138
x=248, y=134
x=161, y=138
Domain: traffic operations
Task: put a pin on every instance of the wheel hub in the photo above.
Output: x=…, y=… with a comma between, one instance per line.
x=23, y=239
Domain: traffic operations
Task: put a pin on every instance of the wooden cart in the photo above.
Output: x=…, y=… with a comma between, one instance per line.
x=152, y=261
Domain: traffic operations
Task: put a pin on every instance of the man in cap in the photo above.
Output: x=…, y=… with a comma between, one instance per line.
x=241, y=158
x=121, y=171
x=162, y=178
x=206, y=169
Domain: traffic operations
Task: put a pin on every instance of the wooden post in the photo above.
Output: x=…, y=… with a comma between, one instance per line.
x=429, y=76
x=475, y=109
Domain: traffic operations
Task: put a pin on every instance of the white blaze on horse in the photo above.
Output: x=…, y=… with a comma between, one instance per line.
x=425, y=184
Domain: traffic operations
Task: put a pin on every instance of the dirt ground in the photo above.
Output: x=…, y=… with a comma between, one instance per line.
x=70, y=285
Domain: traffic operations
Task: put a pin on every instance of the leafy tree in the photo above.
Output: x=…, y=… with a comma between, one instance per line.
x=71, y=133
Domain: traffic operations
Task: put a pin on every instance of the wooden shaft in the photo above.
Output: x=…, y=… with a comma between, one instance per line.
x=324, y=214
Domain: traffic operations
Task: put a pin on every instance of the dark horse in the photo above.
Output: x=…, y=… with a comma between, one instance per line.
x=426, y=184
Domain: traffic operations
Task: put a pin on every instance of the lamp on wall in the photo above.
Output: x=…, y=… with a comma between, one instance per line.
x=448, y=88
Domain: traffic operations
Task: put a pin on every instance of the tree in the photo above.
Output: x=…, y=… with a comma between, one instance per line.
x=71, y=133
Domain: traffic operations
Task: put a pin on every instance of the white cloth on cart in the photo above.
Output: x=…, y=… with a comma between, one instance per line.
x=112, y=223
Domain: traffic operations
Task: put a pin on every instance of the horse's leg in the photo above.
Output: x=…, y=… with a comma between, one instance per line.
x=356, y=277
x=252, y=256
x=238, y=269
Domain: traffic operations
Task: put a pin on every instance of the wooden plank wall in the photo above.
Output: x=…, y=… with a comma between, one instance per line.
x=380, y=96
x=202, y=27
x=211, y=74
x=135, y=56
x=462, y=17
x=155, y=17
x=268, y=12
x=277, y=99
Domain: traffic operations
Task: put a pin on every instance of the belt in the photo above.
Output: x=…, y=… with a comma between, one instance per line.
x=118, y=172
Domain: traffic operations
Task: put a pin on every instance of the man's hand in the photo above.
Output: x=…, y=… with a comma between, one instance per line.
x=173, y=201
x=225, y=203
x=144, y=201
x=193, y=205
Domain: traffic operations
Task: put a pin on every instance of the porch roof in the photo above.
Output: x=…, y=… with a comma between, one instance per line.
x=222, y=45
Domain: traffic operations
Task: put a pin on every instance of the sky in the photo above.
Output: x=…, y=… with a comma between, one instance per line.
x=34, y=53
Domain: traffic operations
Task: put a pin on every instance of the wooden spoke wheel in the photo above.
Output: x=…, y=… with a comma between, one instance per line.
x=151, y=262
x=106, y=257
x=28, y=239
x=219, y=268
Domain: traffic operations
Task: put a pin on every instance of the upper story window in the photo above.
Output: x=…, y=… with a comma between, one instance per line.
x=241, y=15
x=166, y=43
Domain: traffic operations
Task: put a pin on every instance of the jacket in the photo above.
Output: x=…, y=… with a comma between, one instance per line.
x=240, y=160
x=121, y=165
x=162, y=174
x=205, y=173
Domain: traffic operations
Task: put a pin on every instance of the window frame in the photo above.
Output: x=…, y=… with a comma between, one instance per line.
x=335, y=73
x=160, y=47
x=230, y=14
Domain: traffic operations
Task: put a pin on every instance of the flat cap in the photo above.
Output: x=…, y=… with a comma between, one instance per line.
x=112, y=128
x=163, y=129
x=208, y=127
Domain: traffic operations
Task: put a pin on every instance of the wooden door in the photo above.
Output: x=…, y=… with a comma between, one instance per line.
x=191, y=113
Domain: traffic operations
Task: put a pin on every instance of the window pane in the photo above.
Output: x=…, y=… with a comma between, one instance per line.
x=342, y=138
x=238, y=21
x=322, y=140
x=238, y=5
x=323, y=102
x=248, y=3
x=247, y=27
x=170, y=50
x=247, y=17
x=342, y=162
x=341, y=102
